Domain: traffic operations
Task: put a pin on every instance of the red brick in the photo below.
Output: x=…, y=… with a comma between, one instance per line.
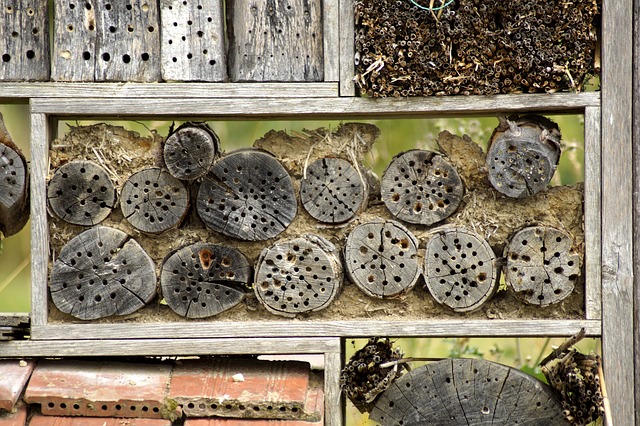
x=39, y=420
x=100, y=389
x=15, y=374
x=268, y=389
x=16, y=418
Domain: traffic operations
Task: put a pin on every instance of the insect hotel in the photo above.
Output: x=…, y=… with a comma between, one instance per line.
x=169, y=269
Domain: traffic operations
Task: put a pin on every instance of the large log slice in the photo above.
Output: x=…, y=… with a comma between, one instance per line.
x=14, y=185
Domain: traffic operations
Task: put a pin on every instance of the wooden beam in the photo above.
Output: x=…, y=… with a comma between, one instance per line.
x=636, y=198
x=347, y=48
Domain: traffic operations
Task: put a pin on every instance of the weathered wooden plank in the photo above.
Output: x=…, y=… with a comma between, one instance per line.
x=332, y=400
x=617, y=212
x=347, y=48
x=592, y=208
x=193, y=41
x=24, y=40
x=275, y=41
x=636, y=196
x=331, y=39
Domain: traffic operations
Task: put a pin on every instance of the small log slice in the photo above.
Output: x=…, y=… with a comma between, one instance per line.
x=202, y=280
x=153, y=201
x=102, y=272
x=461, y=269
x=332, y=190
x=14, y=185
x=382, y=258
x=298, y=276
x=456, y=392
x=523, y=155
x=81, y=192
x=190, y=150
x=542, y=265
x=421, y=187
x=247, y=195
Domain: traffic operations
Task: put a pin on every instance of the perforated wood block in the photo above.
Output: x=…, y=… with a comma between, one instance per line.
x=245, y=388
x=14, y=375
x=193, y=40
x=39, y=420
x=249, y=422
x=24, y=40
x=99, y=389
x=102, y=40
x=16, y=418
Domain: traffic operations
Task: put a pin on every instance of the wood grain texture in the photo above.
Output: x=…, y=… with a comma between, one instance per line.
x=189, y=151
x=617, y=212
x=332, y=391
x=592, y=209
x=24, y=40
x=347, y=48
x=14, y=185
x=636, y=197
x=331, y=39
x=275, y=41
x=193, y=41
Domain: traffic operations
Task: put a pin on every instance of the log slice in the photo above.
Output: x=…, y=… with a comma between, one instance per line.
x=190, y=150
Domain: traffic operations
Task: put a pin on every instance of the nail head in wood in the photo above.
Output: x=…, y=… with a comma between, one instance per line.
x=202, y=280
x=247, y=195
x=102, y=272
x=461, y=269
x=332, y=191
x=382, y=258
x=542, y=265
x=81, y=193
x=421, y=187
x=523, y=155
x=153, y=201
x=298, y=276
x=190, y=150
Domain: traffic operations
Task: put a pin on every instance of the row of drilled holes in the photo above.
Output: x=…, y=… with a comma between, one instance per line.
x=144, y=7
x=241, y=407
x=30, y=55
x=106, y=407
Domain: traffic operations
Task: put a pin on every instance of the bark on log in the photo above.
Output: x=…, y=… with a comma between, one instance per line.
x=247, y=195
x=381, y=258
x=14, y=185
x=102, y=272
x=153, y=201
x=298, y=276
x=202, y=280
x=523, y=155
x=461, y=269
x=421, y=187
x=543, y=265
x=81, y=193
x=456, y=392
x=189, y=151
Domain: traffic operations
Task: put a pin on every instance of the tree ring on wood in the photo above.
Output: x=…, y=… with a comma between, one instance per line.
x=298, y=276
x=102, y=272
x=14, y=186
x=81, y=192
x=333, y=191
x=461, y=269
x=202, y=280
x=381, y=258
x=190, y=151
x=247, y=195
x=467, y=391
x=153, y=201
x=542, y=265
x=421, y=187
x=523, y=155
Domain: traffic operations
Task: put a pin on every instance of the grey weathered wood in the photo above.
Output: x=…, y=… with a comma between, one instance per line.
x=332, y=190
x=275, y=41
x=14, y=185
x=592, y=208
x=635, y=198
x=102, y=272
x=347, y=48
x=80, y=192
x=74, y=41
x=381, y=258
x=189, y=151
x=298, y=276
x=471, y=391
x=421, y=187
x=24, y=40
x=543, y=265
x=331, y=40
x=153, y=201
x=193, y=40
x=202, y=280
x=247, y=195
x=461, y=269
x=523, y=155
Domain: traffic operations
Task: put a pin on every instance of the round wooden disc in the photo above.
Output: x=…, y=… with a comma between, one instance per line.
x=421, y=187
x=202, y=280
x=80, y=192
x=298, y=276
x=381, y=258
x=247, y=195
x=455, y=392
x=102, y=272
x=190, y=150
x=461, y=270
x=332, y=191
x=153, y=201
x=542, y=265
x=14, y=189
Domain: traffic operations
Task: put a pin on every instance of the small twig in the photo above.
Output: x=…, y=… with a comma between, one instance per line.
x=15, y=273
x=544, y=348
x=563, y=347
x=605, y=398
